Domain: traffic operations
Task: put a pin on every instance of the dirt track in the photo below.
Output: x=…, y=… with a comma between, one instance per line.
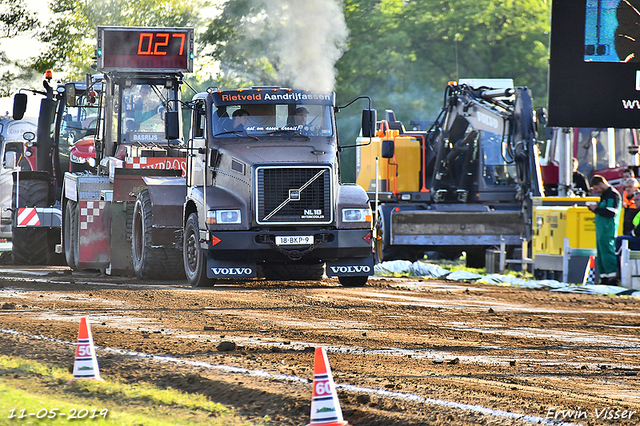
x=413, y=352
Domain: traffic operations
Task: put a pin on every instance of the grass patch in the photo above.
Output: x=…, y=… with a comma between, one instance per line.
x=40, y=388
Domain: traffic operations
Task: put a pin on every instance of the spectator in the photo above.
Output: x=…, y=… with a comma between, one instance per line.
x=630, y=186
x=580, y=183
x=634, y=235
x=607, y=212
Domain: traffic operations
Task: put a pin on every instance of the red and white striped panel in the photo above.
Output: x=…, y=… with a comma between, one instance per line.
x=28, y=216
x=89, y=213
x=136, y=162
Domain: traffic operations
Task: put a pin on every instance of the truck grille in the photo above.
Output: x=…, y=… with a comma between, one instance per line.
x=294, y=195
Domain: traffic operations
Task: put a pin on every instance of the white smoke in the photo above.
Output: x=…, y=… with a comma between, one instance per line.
x=308, y=37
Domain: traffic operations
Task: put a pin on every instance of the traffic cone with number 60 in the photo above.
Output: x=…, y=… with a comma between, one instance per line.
x=85, y=365
x=325, y=407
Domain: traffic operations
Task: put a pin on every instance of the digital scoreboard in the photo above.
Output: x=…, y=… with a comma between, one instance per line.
x=145, y=49
x=594, y=64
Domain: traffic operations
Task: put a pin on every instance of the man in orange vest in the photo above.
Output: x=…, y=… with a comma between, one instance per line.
x=631, y=186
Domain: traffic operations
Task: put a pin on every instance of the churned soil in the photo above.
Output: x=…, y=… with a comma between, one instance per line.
x=402, y=351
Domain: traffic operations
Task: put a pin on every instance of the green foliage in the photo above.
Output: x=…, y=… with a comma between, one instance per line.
x=404, y=52
x=71, y=34
x=15, y=18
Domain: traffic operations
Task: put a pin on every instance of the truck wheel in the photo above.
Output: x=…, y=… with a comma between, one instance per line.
x=31, y=245
x=195, y=260
x=476, y=258
x=353, y=281
x=382, y=249
x=149, y=262
x=70, y=234
x=294, y=272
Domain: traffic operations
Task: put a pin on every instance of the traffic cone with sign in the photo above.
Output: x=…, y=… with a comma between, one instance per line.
x=325, y=407
x=590, y=272
x=85, y=365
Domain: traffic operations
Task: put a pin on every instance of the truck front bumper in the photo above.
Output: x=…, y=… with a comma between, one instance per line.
x=260, y=246
x=239, y=254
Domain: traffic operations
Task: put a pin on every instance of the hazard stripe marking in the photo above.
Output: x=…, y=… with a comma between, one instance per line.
x=28, y=217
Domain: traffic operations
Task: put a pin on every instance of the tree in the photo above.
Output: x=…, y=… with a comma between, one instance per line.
x=15, y=20
x=405, y=52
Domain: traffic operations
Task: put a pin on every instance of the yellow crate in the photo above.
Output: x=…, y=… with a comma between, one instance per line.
x=552, y=224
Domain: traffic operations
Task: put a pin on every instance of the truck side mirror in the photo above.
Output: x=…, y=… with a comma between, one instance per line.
x=369, y=117
x=10, y=159
x=19, y=105
x=70, y=88
x=387, y=149
x=171, y=125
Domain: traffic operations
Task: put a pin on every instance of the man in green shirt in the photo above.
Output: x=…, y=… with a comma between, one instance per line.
x=607, y=212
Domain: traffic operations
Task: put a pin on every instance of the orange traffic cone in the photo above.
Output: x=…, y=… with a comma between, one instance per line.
x=590, y=272
x=85, y=365
x=325, y=407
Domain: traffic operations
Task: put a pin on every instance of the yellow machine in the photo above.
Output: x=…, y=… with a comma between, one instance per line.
x=553, y=224
x=465, y=184
x=564, y=236
x=391, y=177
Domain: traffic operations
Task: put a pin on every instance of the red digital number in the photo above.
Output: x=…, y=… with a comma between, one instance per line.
x=181, y=36
x=161, y=44
x=147, y=46
x=148, y=50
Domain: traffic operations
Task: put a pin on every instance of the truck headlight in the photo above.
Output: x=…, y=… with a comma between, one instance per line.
x=356, y=215
x=224, y=217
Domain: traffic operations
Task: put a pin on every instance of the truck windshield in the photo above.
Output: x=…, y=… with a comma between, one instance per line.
x=77, y=123
x=143, y=111
x=273, y=120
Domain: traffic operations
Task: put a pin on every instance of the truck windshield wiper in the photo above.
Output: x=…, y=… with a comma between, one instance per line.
x=238, y=133
x=289, y=132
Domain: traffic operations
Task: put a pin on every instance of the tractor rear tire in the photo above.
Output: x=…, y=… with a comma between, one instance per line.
x=149, y=262
x=31, y=246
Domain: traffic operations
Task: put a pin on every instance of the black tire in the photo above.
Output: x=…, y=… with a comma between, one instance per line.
x=195, y=260
x=294, y=272
x=149, y=262
x=476, y=258
x=381, y=247
x=31, y=246
x=358, y=281
x=70, y=234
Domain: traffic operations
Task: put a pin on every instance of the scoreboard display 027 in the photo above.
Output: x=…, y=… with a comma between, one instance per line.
x=145, y=49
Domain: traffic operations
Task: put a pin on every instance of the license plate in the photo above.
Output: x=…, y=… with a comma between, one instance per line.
x=301, y=239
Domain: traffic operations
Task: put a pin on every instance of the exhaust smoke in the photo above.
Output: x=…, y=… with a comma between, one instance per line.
x=307, y=38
